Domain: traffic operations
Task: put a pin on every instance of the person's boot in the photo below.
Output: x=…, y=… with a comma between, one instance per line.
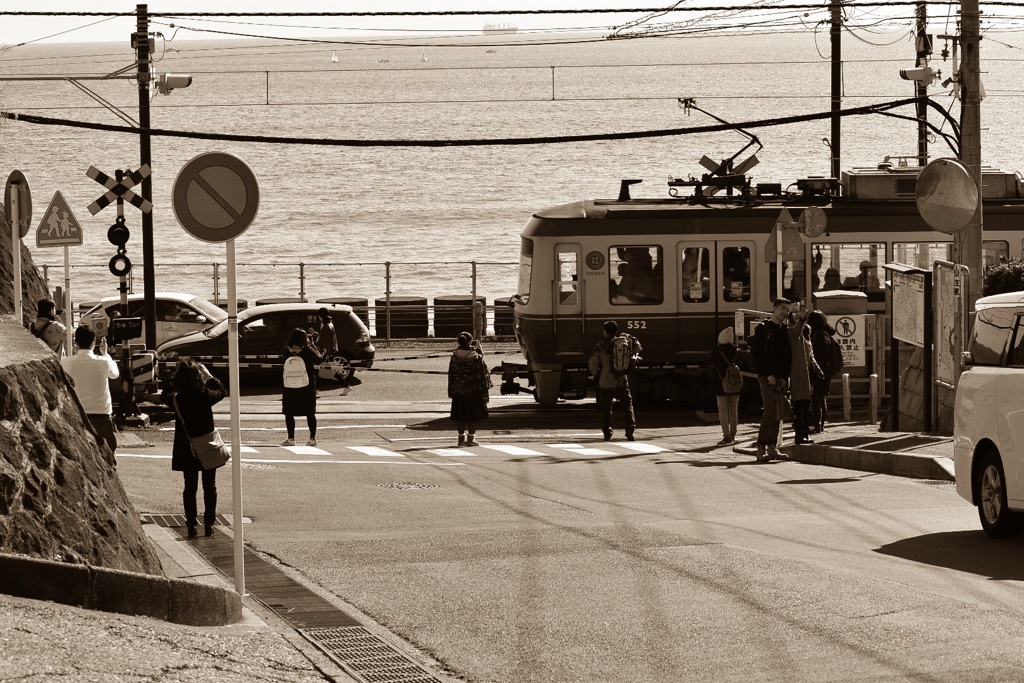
x=462, y=439
x=208, y=530
x=471, y=440
x=192, y=532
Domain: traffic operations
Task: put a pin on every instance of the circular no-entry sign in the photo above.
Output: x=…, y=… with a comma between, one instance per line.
x=215, y=197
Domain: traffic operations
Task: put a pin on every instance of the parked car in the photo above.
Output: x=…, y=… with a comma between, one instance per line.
x=988, y=417
x=262, y=333
x=177, y=314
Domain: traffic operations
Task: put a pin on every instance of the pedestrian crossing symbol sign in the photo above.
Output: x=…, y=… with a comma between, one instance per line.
x=58, y=227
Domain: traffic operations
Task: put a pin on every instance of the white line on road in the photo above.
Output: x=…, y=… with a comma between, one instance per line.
x=318, y=461
x=377, y=451
x=509, y=449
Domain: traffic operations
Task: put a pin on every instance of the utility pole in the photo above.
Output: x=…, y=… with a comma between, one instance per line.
x=141, y=44
x=970, y=141
x=924, y=51
x=837, y=83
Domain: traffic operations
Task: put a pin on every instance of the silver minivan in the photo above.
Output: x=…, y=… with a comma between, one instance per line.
x=988, y=416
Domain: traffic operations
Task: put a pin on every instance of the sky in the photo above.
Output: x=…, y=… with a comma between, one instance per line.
x=21, y=29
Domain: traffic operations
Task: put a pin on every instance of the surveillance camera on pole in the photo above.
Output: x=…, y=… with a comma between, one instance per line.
x=922, y=74
x=165, y=83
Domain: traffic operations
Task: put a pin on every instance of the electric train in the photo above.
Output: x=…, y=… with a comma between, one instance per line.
x=674, y=271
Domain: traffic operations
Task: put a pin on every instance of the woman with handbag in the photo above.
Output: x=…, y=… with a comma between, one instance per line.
x=192, y=394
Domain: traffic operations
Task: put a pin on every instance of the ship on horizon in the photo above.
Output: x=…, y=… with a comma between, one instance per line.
x=492, y=29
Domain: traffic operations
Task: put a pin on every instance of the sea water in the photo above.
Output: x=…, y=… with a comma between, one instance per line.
x=345, y=211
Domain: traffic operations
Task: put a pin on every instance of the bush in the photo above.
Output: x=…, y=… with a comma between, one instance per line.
x=1006, y=277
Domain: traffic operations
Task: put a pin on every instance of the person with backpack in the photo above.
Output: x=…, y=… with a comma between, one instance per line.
x=48, y=328
x=469, y=383
x=772, y=358
x=824, y=347
x=299, y=380
x=727, y=382
x=610, y=363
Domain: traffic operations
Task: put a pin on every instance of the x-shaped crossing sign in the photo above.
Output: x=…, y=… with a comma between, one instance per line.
x=120, y=190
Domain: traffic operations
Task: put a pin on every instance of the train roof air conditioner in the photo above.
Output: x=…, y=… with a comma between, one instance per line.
x=900, y=183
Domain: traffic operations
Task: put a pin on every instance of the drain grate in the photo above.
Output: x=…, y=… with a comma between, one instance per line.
x=367, y=656
x=172, y=521
x=407, y=485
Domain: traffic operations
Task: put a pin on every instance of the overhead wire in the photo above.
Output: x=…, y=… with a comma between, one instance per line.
x=474, y=142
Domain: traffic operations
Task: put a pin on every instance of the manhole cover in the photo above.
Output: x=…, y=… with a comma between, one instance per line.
x=257, y=466
x=407, y=485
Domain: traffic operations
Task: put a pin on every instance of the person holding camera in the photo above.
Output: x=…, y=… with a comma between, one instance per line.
x=89, y=372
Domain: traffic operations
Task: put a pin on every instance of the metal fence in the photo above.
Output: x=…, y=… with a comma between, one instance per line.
x=396, y=300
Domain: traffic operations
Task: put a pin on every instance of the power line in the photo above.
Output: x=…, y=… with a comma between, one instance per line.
x=475, y=142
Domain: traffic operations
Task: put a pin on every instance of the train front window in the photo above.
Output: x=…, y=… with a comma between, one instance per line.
x=635, y=275
x=853, y=267
x=568, y=278
x=525, y=270
x=696, y=274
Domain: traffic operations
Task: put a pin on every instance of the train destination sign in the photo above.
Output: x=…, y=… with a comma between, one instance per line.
x=215, y=197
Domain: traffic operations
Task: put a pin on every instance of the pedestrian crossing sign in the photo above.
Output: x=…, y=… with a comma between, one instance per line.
x=59, y=227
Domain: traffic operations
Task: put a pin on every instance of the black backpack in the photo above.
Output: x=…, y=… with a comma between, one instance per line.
x=835, y=357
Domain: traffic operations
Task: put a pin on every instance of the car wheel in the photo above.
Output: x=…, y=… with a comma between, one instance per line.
x=344, y=368
x=997, y=519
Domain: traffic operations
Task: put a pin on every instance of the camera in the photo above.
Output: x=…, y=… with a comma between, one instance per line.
x=921, y=74
x=165, y=83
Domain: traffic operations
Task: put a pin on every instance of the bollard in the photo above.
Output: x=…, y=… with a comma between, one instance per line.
x=479, y=322
x=873, y=393
x=846, y=397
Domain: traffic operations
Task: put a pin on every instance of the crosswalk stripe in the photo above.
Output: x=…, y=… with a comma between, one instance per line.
x=581, y=450
x=454, y=452
x=306, y=450
x=641, y=447
x=374, y=450
x=511, y=450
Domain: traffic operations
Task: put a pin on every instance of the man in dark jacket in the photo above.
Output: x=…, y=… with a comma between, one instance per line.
x=772, y=358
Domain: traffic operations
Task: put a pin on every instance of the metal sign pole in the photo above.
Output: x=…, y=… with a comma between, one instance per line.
x=15, y=219
x=69, y=317
x=778, y=260
x=236, y=430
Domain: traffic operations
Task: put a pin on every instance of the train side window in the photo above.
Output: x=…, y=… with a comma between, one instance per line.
x=636, y=274
x=994, y=252
x=696, y=274
x=736, y=274
x=568, y=278
x=922, y=255
x=525, y=270
x=855, y=267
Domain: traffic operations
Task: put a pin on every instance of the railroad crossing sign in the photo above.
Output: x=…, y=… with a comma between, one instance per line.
x=58, y=227
x=215, y=197
x=120, y=190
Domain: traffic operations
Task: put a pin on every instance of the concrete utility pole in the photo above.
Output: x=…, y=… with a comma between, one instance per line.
x=924, y=50
x=837, y=84
x=141, y=44
x=970, y=140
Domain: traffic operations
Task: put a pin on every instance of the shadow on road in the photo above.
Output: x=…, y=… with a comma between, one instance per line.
x=965, y=551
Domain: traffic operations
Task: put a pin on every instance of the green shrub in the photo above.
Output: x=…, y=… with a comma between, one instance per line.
x=1006, y=277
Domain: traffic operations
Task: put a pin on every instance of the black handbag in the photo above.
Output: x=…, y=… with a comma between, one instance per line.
x=208, y=449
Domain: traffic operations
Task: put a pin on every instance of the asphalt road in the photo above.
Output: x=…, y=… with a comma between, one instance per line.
x=548, y=555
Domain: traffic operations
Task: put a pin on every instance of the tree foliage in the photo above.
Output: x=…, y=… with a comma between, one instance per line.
x=1006, y=277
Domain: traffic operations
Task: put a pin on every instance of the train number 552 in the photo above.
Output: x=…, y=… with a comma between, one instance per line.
x=636, y=324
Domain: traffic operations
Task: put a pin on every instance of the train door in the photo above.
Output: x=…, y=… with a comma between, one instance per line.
x=567, y=296
x=696, y=301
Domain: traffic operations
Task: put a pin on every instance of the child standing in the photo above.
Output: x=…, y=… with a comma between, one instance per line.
x=299, y=378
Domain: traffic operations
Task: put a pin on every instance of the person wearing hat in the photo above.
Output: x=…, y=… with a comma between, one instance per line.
x=469, y=383
x=48, y=328
x=724, y=355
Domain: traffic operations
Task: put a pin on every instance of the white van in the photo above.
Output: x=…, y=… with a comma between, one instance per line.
x=988, y=418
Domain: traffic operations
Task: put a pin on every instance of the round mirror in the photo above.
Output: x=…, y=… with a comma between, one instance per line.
x=947, y=195
x=813, y=221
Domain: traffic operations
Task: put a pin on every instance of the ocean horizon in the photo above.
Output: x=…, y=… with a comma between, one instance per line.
x=360, y=207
